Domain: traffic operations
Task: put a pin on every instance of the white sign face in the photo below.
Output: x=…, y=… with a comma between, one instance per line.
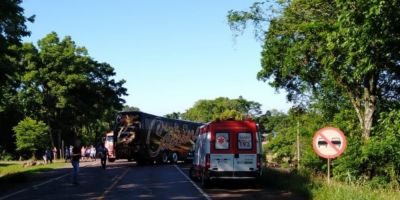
x=329, y=142
x=244, y=141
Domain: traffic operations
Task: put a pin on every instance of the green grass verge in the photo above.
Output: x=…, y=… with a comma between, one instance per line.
x=9, y=168
x=12, y=173
x=339, y=190
x=305, y=185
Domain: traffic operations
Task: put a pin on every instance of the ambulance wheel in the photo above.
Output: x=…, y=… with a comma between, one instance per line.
x=174, y=157
x=192, y=173
x=205, y=181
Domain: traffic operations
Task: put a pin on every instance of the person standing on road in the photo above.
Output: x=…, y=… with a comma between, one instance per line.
x=75, y=157
x=103, y=152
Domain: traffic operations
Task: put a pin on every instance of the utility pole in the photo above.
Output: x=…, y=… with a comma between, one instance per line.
x=298, y=144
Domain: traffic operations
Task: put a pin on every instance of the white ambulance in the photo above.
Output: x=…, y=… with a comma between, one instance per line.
x=228, y=149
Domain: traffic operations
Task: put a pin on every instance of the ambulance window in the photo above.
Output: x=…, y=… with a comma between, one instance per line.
x=221, y=140
x=245, y=141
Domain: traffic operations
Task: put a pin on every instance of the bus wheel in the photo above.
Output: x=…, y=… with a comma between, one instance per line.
x=164, y=157
x=174, y=157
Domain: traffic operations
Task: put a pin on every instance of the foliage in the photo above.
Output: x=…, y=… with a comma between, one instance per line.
x=174, y=115
x=4, y=155
x=222, y=108
x=379, y=158
x=348, y=49
x=130, y=108
x=62, y=85
x=12, y=29
x=31, y=135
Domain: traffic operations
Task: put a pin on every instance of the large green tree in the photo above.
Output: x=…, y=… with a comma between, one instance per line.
x=347, y=49
x=12, y=29
x=67, y=89
x=222, y=108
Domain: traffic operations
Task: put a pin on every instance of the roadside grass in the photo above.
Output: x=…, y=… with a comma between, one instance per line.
x=317, y=188
x=12, y=173
x=287, y=180
x=339, y=190
x=10, y=168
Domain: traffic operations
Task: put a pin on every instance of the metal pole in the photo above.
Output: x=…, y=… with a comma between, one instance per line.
x=329, y=170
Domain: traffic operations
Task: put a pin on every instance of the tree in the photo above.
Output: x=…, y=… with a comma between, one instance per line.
x=12, y=29
x=127, y=108
x=346, y=48
x=67, y=89
x=31, y=135
x=174, y=115
x=222, y=108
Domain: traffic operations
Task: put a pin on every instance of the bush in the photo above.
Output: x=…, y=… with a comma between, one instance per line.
x=5, y=156
x=376, y=159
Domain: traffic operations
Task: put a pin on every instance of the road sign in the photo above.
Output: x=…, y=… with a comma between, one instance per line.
x=329, y=142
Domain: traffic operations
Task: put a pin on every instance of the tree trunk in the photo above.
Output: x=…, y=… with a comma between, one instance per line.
x=366, y=106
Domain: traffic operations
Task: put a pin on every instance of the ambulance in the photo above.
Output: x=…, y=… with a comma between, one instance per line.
x=227, y=149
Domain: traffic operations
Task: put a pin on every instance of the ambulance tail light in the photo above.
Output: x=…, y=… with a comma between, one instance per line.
x=208, y=164
x=259, y=161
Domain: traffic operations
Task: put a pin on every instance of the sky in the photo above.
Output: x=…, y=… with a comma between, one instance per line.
x=170, y=53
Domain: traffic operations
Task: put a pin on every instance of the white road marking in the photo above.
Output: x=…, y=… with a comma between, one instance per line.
x=194, y=184
x=37, y=185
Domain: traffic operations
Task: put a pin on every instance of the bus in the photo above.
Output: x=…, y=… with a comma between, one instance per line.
x=148, y=138
x=109, y=144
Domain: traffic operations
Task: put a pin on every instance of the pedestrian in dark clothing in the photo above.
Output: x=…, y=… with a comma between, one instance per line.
x=103, y=152
x=75, y=157
x=67, y=153
x=49, y=155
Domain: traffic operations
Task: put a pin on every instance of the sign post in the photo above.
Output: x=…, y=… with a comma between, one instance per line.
x=329, y=142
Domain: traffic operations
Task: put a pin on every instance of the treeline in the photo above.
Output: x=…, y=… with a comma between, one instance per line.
x=339, y=62
x=52, y=92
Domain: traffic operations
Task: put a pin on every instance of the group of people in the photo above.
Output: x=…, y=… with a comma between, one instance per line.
x=49, y=155
x=87, y=153
x=76, y=154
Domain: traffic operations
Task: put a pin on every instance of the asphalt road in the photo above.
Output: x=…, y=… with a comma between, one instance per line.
x=126, y=180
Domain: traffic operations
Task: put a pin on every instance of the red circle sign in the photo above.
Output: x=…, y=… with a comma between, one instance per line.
x=329, y=142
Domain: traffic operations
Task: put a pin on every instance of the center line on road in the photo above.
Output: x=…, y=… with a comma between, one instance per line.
x=113, y=185
x=194, y=184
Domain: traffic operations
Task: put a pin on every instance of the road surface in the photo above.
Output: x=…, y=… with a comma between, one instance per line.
x=126, y=180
